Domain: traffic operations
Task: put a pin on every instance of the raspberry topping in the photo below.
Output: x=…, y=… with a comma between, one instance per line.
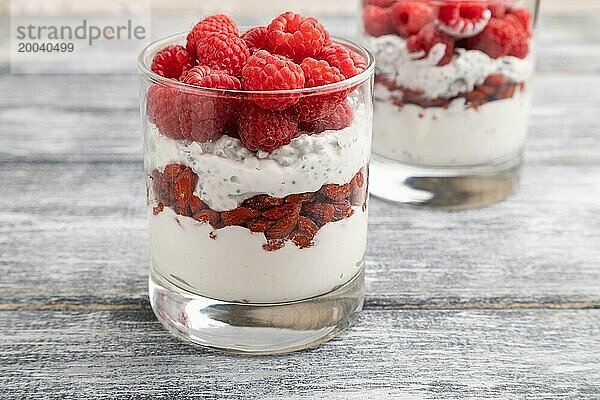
x=427, y=39
x=224, y=52
x=316, y=106
x=265, y=71
x=296, y=37
x=162, y=111
x=203, y=76
x=266, y=130
x=408, y=17
x=381, y=3
x=377, y=21
x=347, y=61
x=501, y=37
x=497, y=8
x=203, y=116
x=172, y=62
x=524, y=17
x=463, y=20
x=319, y=73
x=341, y=118
x=256, y=38
x=214, y=23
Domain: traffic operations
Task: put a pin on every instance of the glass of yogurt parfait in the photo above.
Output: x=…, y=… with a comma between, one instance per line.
x=256, y=151
x=452, y=98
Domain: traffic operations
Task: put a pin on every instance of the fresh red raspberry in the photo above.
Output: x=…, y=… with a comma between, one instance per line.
x=497, y=8
x=377, y=21
x=524, y=17
x=347, y=61
x=427, y=37
x=162, y=111
x=341, y=118
x=172, y=62
x=296, y=37
x=265, y=130
x=501, y=37
x=381, y=3
x=408, y=17
x=224, y=52
x=463, y=19
x=319, y=73
x=265, y=71
x=316, y=106
x=204, y=116
x=204, y=76
x=214, y=23
x=256, y=38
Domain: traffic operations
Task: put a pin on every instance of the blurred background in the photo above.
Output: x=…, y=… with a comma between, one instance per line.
x=561, y=23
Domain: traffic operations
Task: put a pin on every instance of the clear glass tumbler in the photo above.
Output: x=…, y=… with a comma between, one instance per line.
x=452, y=98
x=253, y=251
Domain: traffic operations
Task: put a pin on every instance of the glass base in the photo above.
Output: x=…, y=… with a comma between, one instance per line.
x=255, y=328
x=443, y=187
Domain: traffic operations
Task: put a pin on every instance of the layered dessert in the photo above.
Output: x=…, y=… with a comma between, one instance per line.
x=452, y=80
x=256, y=149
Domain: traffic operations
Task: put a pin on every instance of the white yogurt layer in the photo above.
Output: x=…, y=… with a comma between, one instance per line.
x=235, y=267
x=457, y=136
x=467, y=69
x=229, y=173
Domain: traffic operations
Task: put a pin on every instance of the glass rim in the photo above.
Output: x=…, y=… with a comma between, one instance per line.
x=153, y=47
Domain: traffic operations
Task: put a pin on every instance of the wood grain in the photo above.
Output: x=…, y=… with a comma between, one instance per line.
x=77, y=232
x=533, y=354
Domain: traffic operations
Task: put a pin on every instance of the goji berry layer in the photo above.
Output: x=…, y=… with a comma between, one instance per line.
x=495, y=87
x=296, y=217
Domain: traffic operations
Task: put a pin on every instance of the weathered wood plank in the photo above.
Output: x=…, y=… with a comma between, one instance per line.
x=96, y=118
x=77, y=232
x=534, y=354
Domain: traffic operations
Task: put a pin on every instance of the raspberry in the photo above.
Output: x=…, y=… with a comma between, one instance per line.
x=428, y=37
x=347, y=61
x=256, y=38
x=266, y=130
x=381, y=3
x=203, y=116
x=463, y=20
x=501, y=37
x=223, y=52
x=172, y=62
x=377, y=21
x=162, y=111
x=209, y=78
x=524, y=17
x=265, y=71
x=497, y=8
x=339, y=119
x=214, y=23
x=408, y=17
x=316, y=106
x=296, y=37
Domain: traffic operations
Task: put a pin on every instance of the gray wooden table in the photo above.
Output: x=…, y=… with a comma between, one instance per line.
x=502, y=302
